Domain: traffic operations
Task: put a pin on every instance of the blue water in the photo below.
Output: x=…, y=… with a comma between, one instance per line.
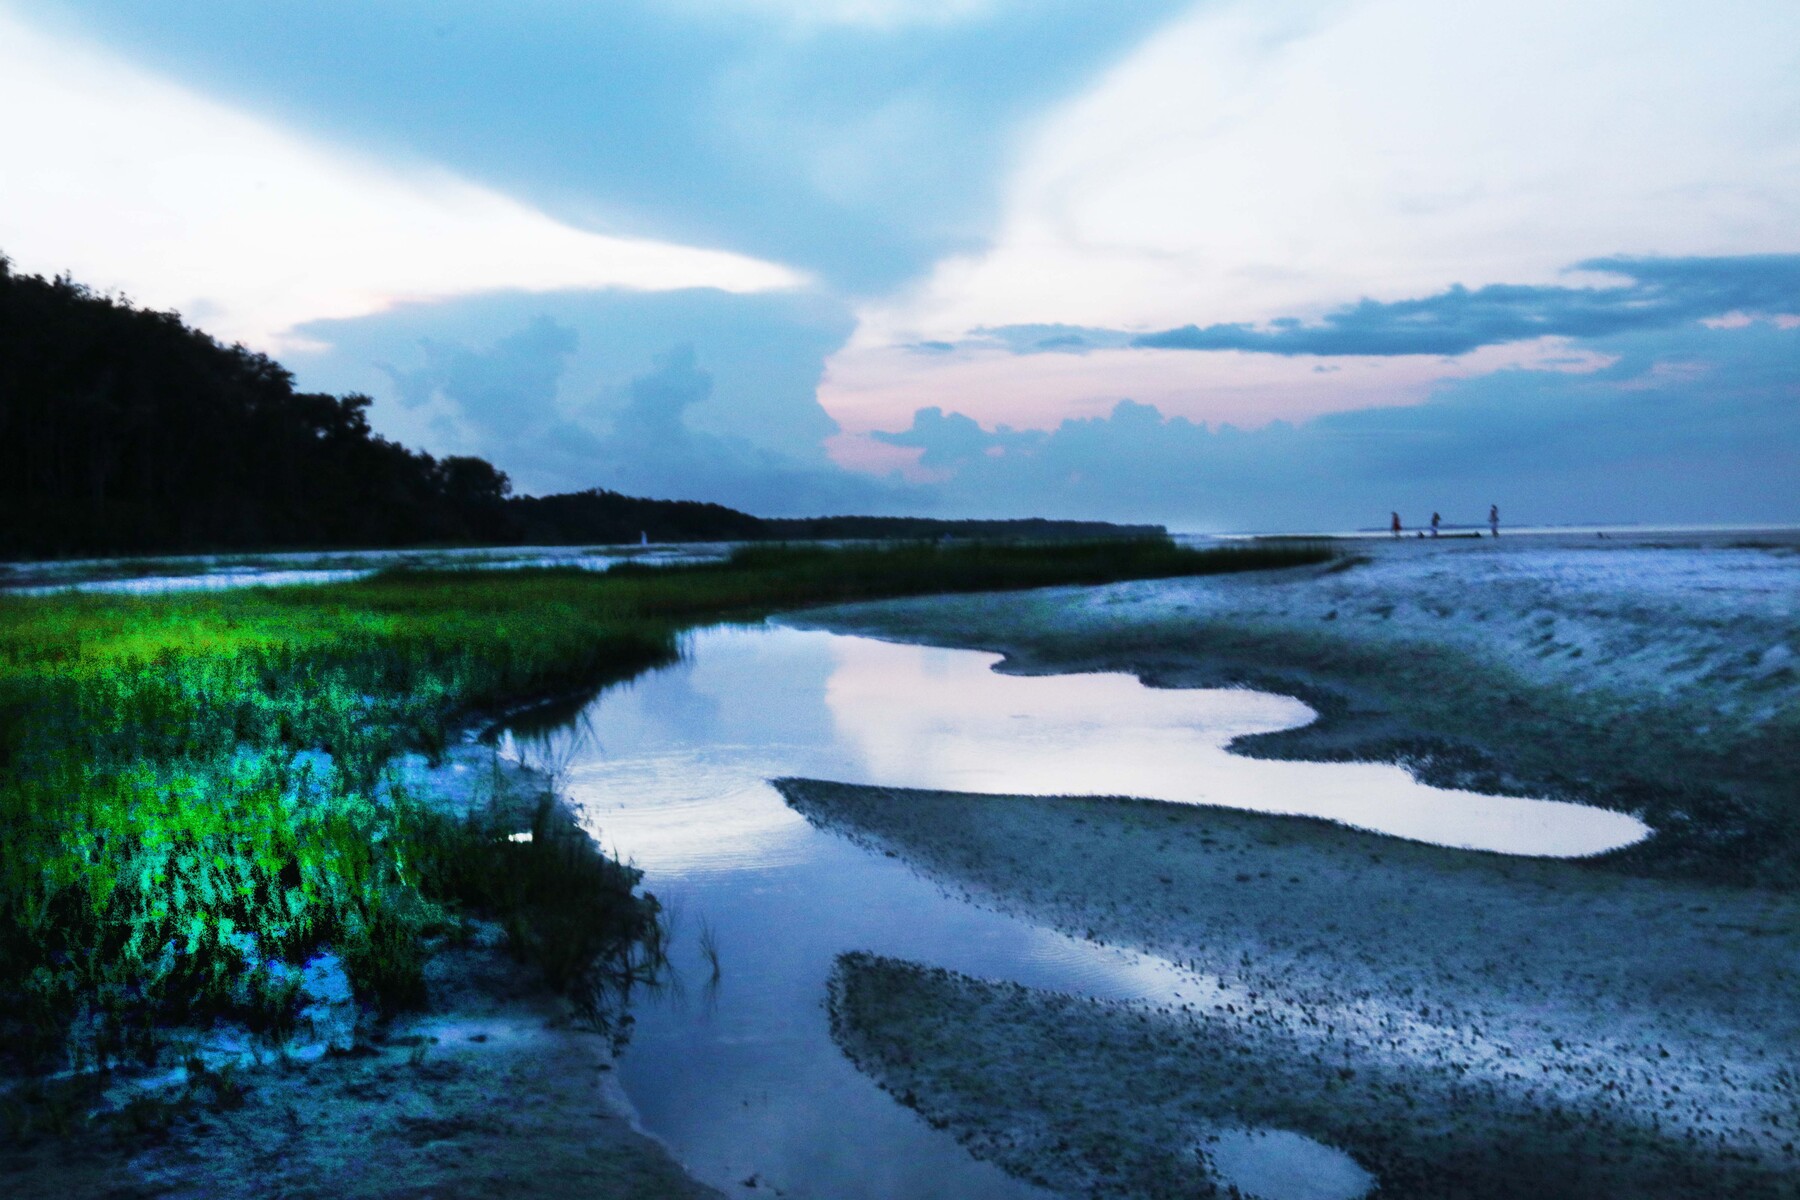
x=739, y=1075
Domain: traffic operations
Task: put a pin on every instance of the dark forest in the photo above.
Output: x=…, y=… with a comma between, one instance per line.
x=124, y=430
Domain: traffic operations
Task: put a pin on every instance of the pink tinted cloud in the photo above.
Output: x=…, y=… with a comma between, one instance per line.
x=860, y=452
x=879, y=388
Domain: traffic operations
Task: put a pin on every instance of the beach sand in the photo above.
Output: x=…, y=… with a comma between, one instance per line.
x=1463, y=1024
x=1659, y=676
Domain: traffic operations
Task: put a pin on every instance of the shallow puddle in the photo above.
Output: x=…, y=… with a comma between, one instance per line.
x=736, y=1070
x=1275, y=1164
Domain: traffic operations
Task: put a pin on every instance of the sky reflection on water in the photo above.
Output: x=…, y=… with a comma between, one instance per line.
x=749, y=705
x=741, y=1077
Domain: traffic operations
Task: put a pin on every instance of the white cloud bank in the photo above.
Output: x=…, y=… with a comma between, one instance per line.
x=133, y=183
x=1284, y=157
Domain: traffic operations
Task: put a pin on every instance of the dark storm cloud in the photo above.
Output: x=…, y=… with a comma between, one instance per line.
x=1658, y=293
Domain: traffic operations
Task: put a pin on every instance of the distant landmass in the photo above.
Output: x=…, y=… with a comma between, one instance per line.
x=126, y=431
x=598, y=515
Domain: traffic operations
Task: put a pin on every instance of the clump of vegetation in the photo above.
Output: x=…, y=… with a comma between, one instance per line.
x=192, y=796
x=564, y=905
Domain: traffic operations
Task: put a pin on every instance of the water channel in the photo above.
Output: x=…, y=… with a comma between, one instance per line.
x=738, y=1073
x=218, y=573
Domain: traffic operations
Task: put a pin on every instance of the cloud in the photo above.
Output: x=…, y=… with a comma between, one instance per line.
x=517, y=376
x=951, y=439
x=1657, y=293
x=570, y=396
x=871, y=14
x=501, y=401
x=1702, y=425
x=1259, y=159
x=1691, y=423
x=568, y=353
x=879, y=390
x=136, y=183
x=650, y=449
x=637, y=439
x=1045, y=338
x=857, y=140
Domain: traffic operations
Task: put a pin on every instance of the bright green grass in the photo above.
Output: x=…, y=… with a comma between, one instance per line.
x=165, y=839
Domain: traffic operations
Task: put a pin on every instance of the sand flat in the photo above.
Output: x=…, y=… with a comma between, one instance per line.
x=1658, y=676
x=1545, y=1014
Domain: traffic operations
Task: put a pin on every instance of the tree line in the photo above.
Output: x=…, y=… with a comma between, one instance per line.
x=124, y=430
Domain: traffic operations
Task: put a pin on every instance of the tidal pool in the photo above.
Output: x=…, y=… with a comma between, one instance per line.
x=736, y=1069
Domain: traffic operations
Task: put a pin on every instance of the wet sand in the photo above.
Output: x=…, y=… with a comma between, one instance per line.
x=1653, y=675
x=1463, y=1024
x=494, y=1093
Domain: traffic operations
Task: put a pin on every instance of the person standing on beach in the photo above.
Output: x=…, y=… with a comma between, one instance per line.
x=1434, y=524
x=1396, y=525
x=1494, y=518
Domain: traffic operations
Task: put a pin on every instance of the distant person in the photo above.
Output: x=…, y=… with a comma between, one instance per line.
x=1494, y=518
x=1434, y=524
x=1395, y=526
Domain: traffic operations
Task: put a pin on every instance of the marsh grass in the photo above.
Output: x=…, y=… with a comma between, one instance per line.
x=709, y=950
x=563, y=905
x=192, y=787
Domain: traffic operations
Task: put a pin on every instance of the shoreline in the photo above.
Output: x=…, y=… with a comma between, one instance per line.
x=1461, y=1023
x=1541, y=1014
x=1554, y=673
x=232, y=683
x=1492, y=975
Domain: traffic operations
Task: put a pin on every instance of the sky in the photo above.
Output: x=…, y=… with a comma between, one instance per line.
x=1283, y=265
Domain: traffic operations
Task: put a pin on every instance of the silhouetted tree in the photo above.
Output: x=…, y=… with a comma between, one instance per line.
x=123, y=430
